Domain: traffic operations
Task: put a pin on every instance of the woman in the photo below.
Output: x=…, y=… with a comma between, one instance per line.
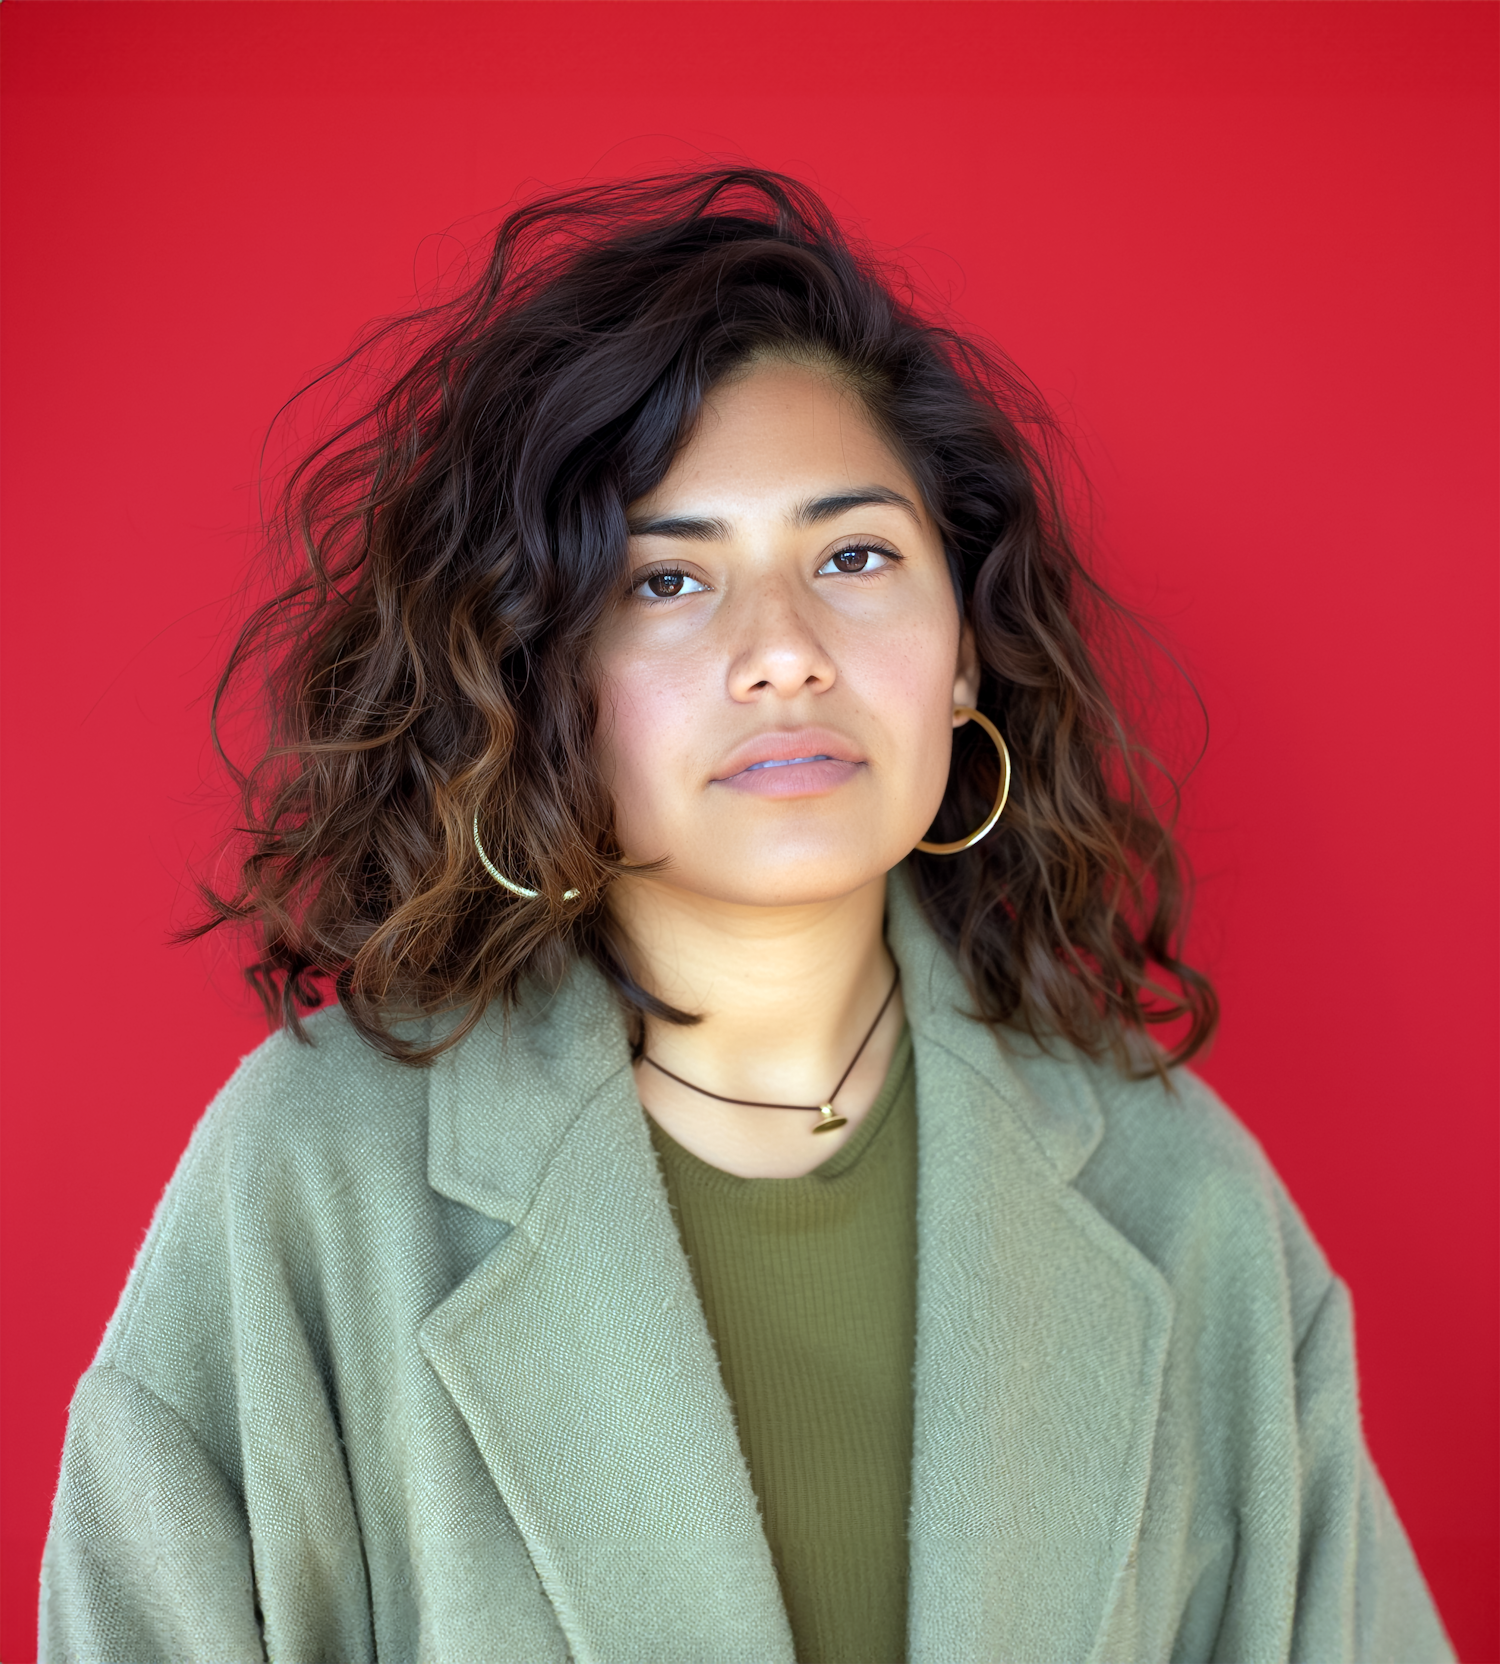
x=734, y=1210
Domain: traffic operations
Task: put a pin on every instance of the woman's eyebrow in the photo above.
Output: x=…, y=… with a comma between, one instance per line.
x=840, y=502
x=694, y=527
x=701, y=529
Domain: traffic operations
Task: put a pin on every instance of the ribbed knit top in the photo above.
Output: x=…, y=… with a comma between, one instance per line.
x=809, y=1289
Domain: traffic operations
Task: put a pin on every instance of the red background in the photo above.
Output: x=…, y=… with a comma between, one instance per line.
x=1248, y=250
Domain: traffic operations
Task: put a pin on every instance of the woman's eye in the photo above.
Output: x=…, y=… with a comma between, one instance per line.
x=863, y=559
x=664, y=586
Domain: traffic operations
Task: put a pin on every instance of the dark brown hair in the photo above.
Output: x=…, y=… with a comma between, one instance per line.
x=458, y=542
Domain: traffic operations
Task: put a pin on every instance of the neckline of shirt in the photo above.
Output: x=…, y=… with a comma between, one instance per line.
x=840, y=1164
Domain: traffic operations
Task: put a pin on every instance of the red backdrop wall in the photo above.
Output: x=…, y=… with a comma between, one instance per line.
x=1248, y=250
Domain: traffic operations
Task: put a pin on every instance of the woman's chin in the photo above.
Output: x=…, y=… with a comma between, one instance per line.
x=756, y=879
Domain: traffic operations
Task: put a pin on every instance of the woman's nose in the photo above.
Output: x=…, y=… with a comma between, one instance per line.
x=777, y=648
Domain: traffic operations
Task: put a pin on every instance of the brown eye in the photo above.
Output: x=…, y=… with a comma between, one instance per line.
x=666, y=585
x=855, y=560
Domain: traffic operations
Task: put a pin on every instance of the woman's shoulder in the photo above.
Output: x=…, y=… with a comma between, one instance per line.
x=1131, y=1112
x=1175, y=1124
x=304, y=1117
x=328, y=1083
x=309, y=1146
x=1178, y=1173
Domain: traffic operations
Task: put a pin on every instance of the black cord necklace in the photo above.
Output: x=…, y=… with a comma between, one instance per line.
x=829, y=1120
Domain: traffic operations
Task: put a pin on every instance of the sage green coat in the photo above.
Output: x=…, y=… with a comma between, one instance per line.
x=411, y=1367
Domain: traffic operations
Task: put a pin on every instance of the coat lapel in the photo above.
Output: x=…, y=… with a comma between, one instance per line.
x=579, y=1357
x=1041, y=1335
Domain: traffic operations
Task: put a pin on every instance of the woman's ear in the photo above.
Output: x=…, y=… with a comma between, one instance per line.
x=966, y=680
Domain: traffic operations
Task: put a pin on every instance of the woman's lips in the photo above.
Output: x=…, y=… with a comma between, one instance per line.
x=808, y=776
x=791, y=762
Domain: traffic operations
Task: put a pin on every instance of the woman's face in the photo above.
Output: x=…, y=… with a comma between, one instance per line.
x=779, y=681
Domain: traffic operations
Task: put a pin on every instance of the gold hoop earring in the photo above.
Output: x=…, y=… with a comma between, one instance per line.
x=500, y=878
x=1000, y=796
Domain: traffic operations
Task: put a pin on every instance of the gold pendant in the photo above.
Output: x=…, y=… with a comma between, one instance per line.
x=830, y=1121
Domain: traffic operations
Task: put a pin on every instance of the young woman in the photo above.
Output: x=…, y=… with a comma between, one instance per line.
x=734, y=1210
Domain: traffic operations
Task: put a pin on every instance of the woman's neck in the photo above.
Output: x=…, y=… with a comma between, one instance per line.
x=785, y=995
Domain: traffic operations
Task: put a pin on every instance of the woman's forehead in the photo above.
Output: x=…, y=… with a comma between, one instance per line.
x=782, y=439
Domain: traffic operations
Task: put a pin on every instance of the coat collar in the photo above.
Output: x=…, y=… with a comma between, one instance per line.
x=578, y=1354
x=1049, y=1099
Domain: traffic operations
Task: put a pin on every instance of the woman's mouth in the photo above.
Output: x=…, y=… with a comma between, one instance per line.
x=810, y=775
x=790, y=762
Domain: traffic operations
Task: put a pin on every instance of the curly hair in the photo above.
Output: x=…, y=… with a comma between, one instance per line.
x=457, y=543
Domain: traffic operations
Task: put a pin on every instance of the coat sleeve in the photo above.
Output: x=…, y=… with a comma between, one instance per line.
x=149, y=1553
x=1361, y=1598
x=204, y=1510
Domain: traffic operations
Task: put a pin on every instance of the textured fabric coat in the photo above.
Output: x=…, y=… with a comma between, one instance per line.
x=411, y=1367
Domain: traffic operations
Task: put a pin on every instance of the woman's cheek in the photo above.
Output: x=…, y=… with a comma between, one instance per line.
x=637, y=750
x=916, y=688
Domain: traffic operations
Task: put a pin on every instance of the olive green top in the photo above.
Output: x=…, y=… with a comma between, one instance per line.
x=809, y=1289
